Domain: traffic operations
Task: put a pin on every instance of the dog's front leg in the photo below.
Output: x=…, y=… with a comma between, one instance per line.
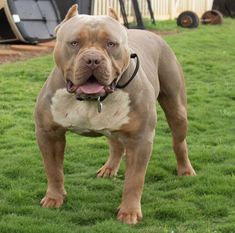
x=137, y=156
x=52, y=146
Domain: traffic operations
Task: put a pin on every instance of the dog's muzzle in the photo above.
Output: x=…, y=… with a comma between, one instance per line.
x=90, y=90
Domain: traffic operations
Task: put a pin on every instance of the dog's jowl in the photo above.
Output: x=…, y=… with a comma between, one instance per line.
x=106, y=81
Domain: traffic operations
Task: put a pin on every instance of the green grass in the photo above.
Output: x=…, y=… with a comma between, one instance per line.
x=202, y=204
x=167, y=25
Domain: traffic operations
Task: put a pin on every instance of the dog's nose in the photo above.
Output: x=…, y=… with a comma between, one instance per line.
x=93, y=61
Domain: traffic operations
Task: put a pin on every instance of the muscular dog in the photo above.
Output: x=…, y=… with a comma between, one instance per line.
x=106, y=81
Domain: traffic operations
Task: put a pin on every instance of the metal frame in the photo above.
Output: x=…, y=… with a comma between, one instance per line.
x=138, y=15
x=151, y=12
x=124, y=15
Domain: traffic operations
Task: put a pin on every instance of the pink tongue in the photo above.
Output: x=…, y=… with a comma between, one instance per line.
x=91, y=88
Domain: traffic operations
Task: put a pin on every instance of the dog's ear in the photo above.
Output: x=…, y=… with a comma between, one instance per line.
x=73, y=11
x=113, y=14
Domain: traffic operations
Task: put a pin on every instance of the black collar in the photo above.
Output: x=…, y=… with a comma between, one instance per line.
x=133, y=56
x=121, y=86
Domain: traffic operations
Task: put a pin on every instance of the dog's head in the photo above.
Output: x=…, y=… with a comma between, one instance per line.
x=91, y=51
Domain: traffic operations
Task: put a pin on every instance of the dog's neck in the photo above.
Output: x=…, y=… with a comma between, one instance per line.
x=130, y=73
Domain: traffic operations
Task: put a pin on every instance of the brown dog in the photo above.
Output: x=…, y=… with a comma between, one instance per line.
x=106, y=82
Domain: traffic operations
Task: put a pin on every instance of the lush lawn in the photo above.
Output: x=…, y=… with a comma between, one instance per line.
x=202, y=204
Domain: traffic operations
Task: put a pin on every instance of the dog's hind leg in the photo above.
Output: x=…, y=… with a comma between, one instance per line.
x=172, y=99
x=111, y=166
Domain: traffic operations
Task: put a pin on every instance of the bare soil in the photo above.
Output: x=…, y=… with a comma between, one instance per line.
x=13, y=53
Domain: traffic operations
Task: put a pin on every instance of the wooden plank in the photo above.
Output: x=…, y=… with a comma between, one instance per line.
x=30, y=48
x=9, y=52
x=49, y=44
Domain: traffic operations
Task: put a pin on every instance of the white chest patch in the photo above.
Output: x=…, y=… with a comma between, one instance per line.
x=83, y=116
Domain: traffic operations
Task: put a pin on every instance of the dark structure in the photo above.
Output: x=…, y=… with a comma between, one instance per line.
x=188, y=19
x=124, y=15
x=33, y=21
x=226, y=7
x=28, y=21
x=85, y=6
x=212, y=17
x=151, y=12
x=63, y=6
x=138, y=15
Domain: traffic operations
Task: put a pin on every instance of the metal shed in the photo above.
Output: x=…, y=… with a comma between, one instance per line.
x=31, y=21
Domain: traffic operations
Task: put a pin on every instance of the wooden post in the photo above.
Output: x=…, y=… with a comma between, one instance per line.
x=171, y=8
x=173, y=5
x=209, y=4
x=193, y=5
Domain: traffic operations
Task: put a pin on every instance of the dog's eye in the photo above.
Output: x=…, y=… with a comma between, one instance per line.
x=74, y=44
x=111, y=44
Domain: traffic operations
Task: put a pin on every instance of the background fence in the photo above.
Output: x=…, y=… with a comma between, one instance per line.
x=163, y=9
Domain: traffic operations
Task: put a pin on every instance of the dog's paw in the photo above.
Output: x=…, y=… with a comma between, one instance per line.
x=106, y=171
x=49, y=202
x=186, y=171
x=130, y=217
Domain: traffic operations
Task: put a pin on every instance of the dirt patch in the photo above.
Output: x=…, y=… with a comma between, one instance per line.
x=165, y=33
x=19, y=52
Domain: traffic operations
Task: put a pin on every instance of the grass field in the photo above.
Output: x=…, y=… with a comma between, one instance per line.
x=170, y=204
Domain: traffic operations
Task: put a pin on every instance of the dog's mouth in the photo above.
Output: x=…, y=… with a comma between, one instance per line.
x=91, y=89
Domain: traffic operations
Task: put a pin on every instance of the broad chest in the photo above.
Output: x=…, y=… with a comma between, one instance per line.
x=83, y=116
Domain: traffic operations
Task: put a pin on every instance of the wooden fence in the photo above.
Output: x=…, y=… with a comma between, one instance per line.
x=163, y=9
